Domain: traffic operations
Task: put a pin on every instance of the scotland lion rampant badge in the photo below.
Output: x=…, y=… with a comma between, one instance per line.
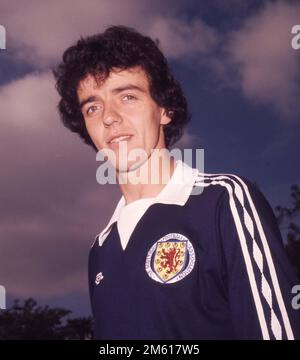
x=170, y=259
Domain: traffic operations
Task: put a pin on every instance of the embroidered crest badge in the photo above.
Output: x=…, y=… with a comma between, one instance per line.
x=170, y=259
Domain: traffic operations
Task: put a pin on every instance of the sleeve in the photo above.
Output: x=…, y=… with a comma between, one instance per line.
x=259, y=275
x=90, y=278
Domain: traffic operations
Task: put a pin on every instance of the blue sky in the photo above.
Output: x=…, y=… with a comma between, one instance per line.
x=240, y=76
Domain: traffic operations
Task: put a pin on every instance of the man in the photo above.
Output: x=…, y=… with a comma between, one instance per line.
x=170, y=264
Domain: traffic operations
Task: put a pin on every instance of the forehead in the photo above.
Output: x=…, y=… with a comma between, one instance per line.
x=117, y=77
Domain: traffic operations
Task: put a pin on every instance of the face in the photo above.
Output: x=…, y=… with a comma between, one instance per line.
x=120, y=114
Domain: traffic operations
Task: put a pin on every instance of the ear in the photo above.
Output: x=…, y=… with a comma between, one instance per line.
x=165, y=117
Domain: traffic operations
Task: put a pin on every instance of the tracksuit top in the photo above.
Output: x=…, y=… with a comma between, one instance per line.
x=205, y=260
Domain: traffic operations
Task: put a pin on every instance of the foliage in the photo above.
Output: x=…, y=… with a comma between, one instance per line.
x=30, y=321
x=293, y=230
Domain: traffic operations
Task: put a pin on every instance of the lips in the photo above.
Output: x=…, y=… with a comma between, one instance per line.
x=118, y=137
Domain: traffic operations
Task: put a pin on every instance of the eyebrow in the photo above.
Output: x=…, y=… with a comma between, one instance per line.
x=88, y=100
x=114, y=91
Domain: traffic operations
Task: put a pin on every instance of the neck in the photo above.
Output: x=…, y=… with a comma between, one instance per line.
x=148, y=179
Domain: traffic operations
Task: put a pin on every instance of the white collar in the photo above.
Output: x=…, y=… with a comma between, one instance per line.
x=176, y=191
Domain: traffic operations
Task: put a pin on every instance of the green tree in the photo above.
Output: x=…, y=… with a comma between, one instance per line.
x=286, y=218
x=30, y=321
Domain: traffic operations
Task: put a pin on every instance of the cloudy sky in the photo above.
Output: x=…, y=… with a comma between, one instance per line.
x=240, y=75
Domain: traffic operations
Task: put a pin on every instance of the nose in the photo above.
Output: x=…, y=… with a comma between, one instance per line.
x=111, y=115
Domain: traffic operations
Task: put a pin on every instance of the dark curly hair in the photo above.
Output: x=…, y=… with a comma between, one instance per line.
x=118, y=47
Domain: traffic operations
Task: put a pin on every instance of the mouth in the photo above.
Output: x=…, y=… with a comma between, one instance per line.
x=117, y=139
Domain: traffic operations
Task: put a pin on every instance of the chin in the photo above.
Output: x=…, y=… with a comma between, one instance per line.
x=129, y=166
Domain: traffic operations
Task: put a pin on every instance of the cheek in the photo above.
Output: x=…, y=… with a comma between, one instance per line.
x=95, y=131
x=154, y=126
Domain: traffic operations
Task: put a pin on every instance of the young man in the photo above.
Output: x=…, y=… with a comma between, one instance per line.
x=169, y=264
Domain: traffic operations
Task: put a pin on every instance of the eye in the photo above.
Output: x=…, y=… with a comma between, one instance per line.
x=129, y=97
x=92, y=109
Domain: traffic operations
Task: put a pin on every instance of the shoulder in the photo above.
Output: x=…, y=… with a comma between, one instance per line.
x=235, y=185
x=234, y=194
x=226, y=180
x=228, y=186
